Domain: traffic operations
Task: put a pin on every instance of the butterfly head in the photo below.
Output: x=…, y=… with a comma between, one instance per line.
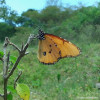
x=41, y=35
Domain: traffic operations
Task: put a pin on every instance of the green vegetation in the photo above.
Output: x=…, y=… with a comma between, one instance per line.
x=69, y=78
x=6, y=31
x=78, y=76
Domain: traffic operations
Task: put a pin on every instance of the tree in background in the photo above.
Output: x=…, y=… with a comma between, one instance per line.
x=69, y=20
x=50, y=15
x=2, y=9
x=6, y=14
x=29, y=18
x=6, y=30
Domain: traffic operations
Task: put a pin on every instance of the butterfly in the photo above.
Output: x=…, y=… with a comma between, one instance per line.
x=52, y=48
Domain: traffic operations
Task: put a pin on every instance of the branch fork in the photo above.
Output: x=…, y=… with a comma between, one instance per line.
x=22, y=52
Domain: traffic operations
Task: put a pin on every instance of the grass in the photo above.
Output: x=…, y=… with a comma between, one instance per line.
x=68, y=79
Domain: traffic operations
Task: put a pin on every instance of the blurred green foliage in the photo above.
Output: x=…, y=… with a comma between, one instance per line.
x=80, y=23
x=68, y=79
x=6, y=31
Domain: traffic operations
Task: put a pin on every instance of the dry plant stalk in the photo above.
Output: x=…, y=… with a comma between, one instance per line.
x=5, y=60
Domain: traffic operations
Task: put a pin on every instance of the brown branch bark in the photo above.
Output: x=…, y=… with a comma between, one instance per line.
x=5, y=88
x=5, y=68
x=17, y=79
x=14, y=67
x=10, y=43
x=22, y=52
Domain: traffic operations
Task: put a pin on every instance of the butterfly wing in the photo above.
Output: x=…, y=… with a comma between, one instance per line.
x=67, y=48
x=52, y=48
x=48, y=53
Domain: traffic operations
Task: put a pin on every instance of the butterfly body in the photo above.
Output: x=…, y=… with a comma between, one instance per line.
x=52, y=48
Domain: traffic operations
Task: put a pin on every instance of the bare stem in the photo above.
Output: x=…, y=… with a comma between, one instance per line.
x=17, y=79
x=14, y=67
x=10, y=43
x=22, y=52
x=7, y=62
x=5, y=68
x=4, y=57
x=5, y=88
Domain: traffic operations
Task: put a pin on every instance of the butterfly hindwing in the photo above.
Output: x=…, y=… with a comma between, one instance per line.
x=48, y=52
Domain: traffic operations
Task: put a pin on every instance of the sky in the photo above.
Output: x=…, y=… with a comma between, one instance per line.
x=24, y=5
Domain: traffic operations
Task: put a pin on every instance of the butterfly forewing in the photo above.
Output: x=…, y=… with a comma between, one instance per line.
x=67, y=48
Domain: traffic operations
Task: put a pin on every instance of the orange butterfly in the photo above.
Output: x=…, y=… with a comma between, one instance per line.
x=52, y=48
